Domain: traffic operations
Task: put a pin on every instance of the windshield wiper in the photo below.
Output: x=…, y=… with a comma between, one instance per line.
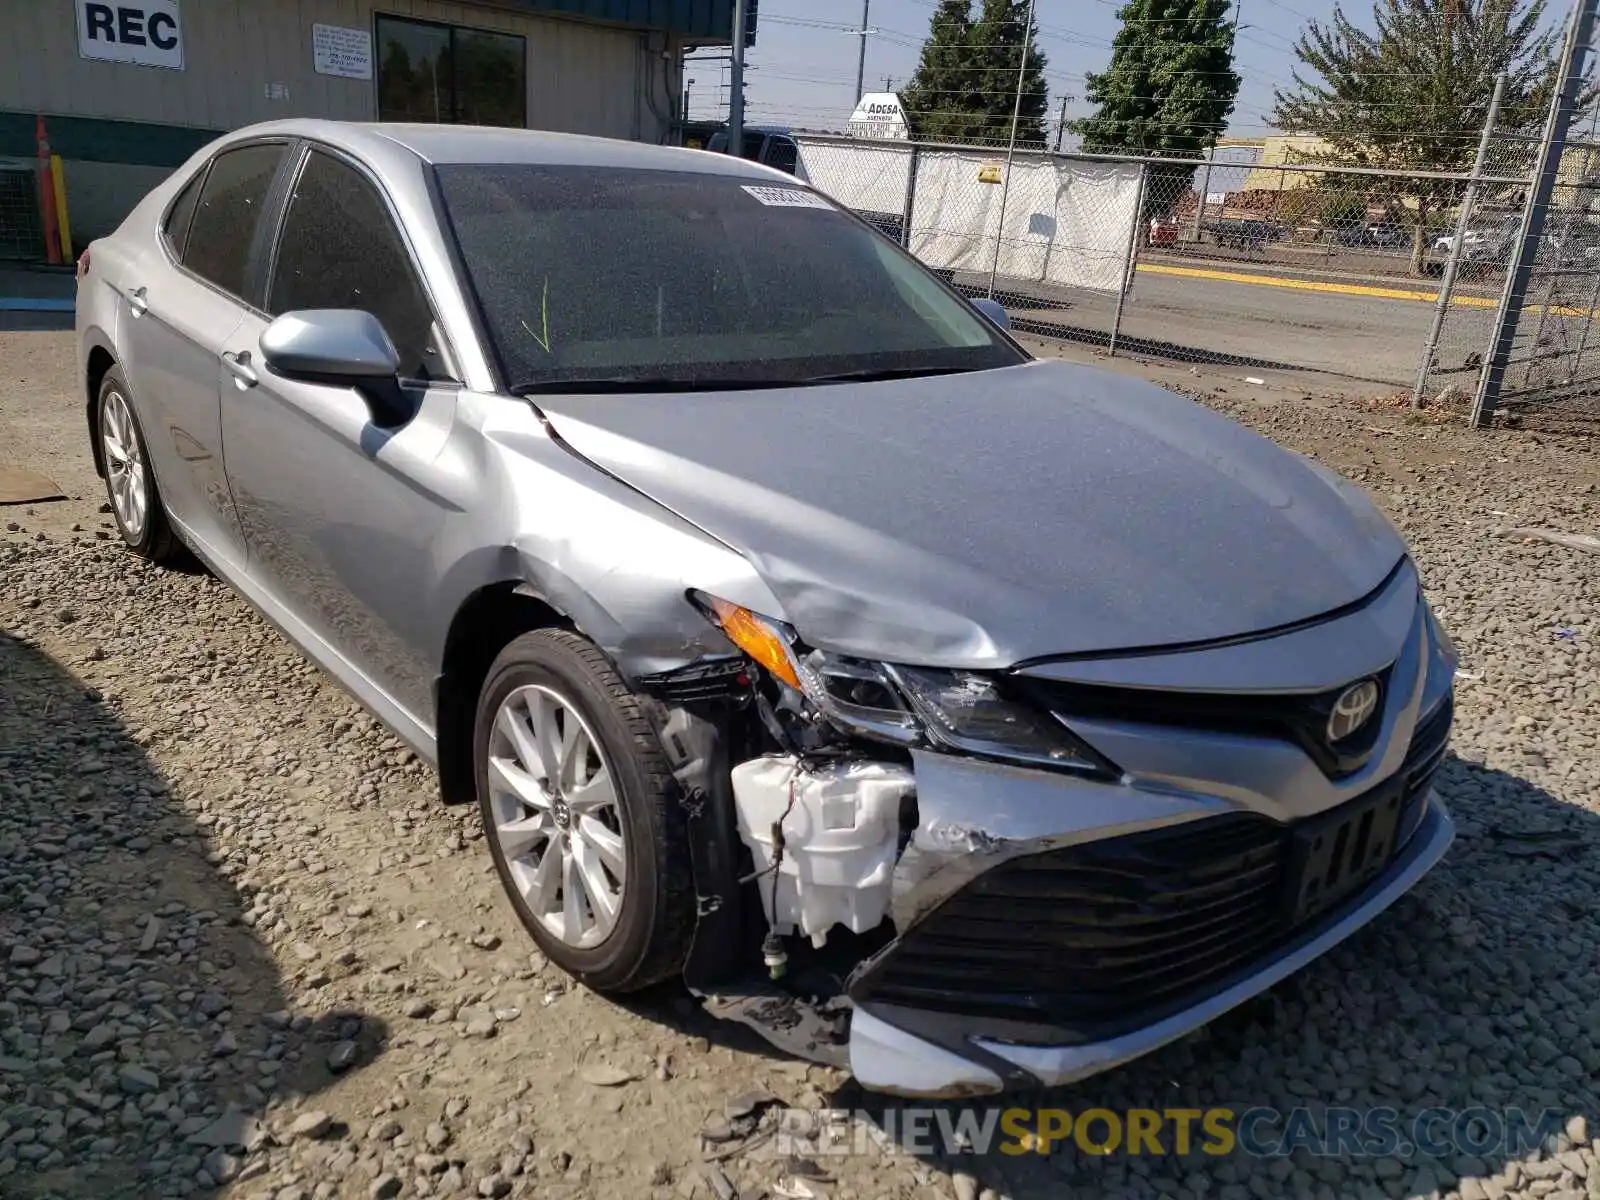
x=878, y=373
x=623, y=384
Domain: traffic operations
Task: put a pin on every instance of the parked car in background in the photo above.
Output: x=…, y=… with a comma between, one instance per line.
x=1163, y=231
x=1244, y=233
x=972, y=721
x=1379, y=235
x=771, y=146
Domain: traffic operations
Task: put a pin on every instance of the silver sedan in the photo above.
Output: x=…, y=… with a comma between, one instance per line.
x=971, y=720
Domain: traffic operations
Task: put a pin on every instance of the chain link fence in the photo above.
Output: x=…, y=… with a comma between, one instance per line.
x=1263, y=257
x=21, y=233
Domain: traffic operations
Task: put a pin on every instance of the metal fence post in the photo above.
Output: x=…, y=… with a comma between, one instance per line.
x=911, y=196
x=1447, y=281
x=1588, y=324
x=1205, y=190
x=1128, y=266
x=1543, y=309
x=1011, y=146
x=1579, y=30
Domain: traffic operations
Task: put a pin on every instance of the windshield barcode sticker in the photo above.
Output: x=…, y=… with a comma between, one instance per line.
x=782, y=197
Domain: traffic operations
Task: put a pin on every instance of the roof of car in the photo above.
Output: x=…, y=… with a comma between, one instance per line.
x=484, y=144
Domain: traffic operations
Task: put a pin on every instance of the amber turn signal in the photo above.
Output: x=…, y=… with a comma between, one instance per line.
x=756, y=638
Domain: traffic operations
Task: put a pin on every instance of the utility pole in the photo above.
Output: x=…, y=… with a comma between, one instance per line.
x=688, y=83
x=1580, y=31
x=736, y=88
x=1011, y=146
x=1211, y=151
x=1061, y=124
x=861, y=51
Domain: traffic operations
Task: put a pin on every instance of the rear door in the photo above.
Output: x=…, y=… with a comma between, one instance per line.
x=340, y=514
x=184, y=300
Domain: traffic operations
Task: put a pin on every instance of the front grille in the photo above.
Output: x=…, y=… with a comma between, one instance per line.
x=1095, y=939
x=1293, y=717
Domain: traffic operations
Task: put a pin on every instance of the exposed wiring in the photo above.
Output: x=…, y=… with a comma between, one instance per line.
x=772, y=951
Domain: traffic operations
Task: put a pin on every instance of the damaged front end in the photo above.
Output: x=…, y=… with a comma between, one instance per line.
x=798, y=772
x=927, y=877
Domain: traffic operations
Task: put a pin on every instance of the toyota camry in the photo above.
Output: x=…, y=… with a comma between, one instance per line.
x=967, y=719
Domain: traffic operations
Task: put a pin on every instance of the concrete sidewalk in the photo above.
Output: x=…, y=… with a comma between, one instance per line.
x=37, y=289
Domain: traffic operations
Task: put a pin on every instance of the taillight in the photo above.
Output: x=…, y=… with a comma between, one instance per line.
x=83, y=263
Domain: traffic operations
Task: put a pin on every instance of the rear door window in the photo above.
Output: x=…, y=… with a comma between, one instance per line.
x=340, y=248
x=229, y=214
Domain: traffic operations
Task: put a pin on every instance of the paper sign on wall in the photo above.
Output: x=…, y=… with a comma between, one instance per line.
x=346, y=53
x=148, y=33
x=989, y=173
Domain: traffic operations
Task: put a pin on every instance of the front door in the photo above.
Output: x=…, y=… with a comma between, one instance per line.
x=340, y=514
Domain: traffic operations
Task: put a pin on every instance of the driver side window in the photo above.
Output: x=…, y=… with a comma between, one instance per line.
x=339, y=248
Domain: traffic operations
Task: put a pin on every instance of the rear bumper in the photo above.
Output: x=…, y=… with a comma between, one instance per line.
x=889, y=1059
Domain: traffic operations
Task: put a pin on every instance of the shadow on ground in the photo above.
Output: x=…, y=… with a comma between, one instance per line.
x=1470, y=1007
x=143, y=1029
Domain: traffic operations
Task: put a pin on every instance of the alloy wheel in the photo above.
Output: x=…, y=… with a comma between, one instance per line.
x=124, y=462
x=556, y=816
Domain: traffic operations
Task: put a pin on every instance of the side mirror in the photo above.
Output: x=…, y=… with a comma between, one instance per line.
x=993, y=310
x=341, y=347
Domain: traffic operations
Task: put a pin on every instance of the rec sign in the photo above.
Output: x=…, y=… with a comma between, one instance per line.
x=148, y=33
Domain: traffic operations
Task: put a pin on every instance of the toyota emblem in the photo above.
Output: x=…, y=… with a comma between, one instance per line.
x=1352, y=710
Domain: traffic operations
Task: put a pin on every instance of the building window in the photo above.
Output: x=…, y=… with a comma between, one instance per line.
x=451, y=75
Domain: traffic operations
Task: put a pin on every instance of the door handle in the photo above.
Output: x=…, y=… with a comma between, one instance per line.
x=244, y=375
x=137, y=303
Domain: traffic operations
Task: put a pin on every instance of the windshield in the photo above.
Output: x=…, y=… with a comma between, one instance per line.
x=591, y=274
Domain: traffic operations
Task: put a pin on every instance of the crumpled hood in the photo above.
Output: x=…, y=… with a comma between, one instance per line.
x=981, y=519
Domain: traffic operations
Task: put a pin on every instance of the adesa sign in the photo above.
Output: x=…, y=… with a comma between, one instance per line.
x=148, y=33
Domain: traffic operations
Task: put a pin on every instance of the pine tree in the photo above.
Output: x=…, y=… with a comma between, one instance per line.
x=965, y=86
x=1168, y=90
x=998, y=37
x=1413, y=94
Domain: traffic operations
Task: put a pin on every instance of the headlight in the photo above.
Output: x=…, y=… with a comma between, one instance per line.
x=965, y=711
x=958, y=710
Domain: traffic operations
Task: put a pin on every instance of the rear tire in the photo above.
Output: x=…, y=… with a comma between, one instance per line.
x=581, y=813
x=135, y=500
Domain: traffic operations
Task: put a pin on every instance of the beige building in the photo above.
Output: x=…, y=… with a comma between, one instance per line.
x=130, y=88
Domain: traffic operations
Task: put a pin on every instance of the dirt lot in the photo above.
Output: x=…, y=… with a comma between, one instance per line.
x=246, y=953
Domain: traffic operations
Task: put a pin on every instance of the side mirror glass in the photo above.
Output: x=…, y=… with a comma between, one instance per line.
x=340, y=347
x=993, y=310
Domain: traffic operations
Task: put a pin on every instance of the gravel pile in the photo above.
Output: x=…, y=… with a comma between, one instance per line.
x=244, y=951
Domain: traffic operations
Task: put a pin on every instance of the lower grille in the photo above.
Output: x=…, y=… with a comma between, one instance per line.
x=1095, y=939
x=1080, y=935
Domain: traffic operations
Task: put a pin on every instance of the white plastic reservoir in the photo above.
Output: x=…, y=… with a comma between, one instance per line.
x=840, y=840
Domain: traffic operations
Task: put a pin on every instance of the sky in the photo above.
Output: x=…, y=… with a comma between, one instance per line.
x=802, y=69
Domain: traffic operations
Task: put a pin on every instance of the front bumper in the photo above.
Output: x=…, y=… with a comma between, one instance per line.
x=1051, y=927
x=889, y=1059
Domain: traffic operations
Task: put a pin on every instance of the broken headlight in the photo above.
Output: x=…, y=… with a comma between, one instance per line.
x=956, y=710
x=964, y=710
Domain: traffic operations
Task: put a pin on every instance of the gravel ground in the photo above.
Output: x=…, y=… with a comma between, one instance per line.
x=246, y=953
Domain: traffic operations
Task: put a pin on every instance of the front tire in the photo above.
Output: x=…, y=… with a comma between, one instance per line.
x=581, y=814
x=130, y=483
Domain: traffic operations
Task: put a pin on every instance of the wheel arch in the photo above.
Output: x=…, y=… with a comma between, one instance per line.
x=100, y=359
x=482, y=626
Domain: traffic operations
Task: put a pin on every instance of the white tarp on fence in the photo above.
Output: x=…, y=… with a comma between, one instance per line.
x=868, y=178
x=1067, y=220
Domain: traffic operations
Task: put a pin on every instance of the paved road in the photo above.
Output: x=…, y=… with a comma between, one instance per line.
x=1367, y=337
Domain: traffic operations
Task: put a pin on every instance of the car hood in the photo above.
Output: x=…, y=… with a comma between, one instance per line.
x=978, y=520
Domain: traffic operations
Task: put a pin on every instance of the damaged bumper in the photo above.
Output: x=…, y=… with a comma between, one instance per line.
x=950, y=1057
x=1052, y=927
